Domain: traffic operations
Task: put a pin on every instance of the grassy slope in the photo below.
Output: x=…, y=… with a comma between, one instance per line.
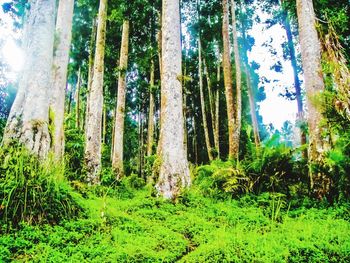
x=197, y=229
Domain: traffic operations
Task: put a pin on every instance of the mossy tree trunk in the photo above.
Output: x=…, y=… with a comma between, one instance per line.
x=117, y=160
x=59, y=70
x=228, y=81
x=95, y=103
x=174, y=169
x=314, y=85
x=28, y=121
x=238, y=93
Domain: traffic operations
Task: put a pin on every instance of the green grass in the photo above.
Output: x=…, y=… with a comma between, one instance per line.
x=143, y=228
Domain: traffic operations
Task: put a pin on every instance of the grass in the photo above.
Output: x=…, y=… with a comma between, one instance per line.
x=142, y=228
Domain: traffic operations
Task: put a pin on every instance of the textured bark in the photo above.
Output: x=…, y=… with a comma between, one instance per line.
x=238, y=103
x=91, y=68
x=228, y=81
x=293, y=60
x=94, y=120
x=252, y=108
x=150, y=136
x=314, y=85
x=28, y=121
x=117, y=161
x=174, y=170
x=204, y=114
x=77, y=112
x=59, y=70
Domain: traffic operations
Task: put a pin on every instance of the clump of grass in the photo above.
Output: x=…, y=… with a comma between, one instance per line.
x=34, y=191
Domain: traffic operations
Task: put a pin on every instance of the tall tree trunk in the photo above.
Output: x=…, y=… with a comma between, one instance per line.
x=204, y=115
x=59, y=70
x=252, y=107
x=117, y=161
x=150, y=137
x=28, y=121
x=233, y=153
x=94, y=120
x=293, y=60
x=217, y=112
x=91, y=68
x=174, y=170
x=77, y=119
x=104, y=125
x=159, y=38
x=238, y=103
x=314, y=85
x=185, y=109
x=211, y=97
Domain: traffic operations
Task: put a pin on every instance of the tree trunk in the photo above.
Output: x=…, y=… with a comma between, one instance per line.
x=150, y=137
x=204, y=115
x=314, y=85
x=293, y=60
x=93, y=126
x=174, y=170
x=233, y=151
x=77, y=119
x=217, y=113
x=117, y=161
x=28, y=121
x=91, y=68
x=59, y=70
x=238, y=112
x=104, y=125
x=252, y=108
x=211, y=105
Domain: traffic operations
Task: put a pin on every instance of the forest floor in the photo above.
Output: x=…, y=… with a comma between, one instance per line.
x=136, y=227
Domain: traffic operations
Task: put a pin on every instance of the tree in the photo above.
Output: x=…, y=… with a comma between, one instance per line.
x=204, y=114
x=150, y=135
x=314, y=85
x=174, y=170
x=233, y=151
x=95, y=103
x=28, y=121
x=59, y=71
x=117, y=160
x=238, y=94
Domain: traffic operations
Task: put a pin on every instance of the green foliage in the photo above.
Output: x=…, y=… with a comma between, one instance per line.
x=33, y=191
x=220, y=178
x=196, y=229
x=276, y=167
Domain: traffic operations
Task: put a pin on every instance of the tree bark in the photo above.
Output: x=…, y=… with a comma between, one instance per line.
x=238, y=104
x=117, y=161
x=314, y=85
x=204, y=115
x=94, y=120
x=174, y=169
x=233, y=153
x=59, y=71
x=91, y=68
x=28, y=121
x=150, y=137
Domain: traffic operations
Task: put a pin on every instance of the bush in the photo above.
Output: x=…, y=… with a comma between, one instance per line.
x=34, y=191
x=222, y=179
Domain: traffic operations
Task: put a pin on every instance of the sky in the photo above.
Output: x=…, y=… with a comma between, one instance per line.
x=274, y=109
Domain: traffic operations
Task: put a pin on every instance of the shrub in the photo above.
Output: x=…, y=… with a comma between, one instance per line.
x=34, y=191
